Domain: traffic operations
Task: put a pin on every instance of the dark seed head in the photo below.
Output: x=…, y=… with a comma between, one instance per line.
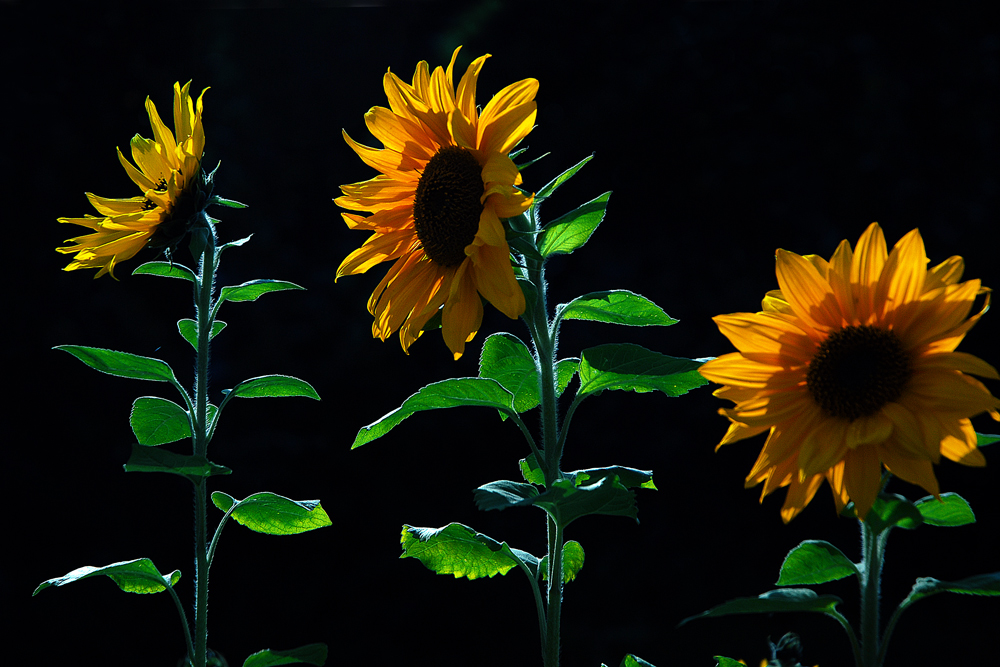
x=447, y=205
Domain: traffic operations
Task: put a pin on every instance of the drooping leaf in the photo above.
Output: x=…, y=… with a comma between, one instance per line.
x=630, y=478
x=890, y=510
x=567, y=502
x=272, y=514
x=254, y=289
x=983, y=439
x=951, y=510
x=503, y=494
x=274, y=386
x=508, y=361
x=458, y=550
x=166, y=269
x=152, y=459
x=815, y=562
x=132, y=576
x=615, y=307
x=784, y=599
x=483, y=392
x=554, y=184
x=189, y=330
x=628, y=366
x=310, y=654
x=980, y=584
x=121, y=364
x=570, y=231
x=572, y=562
x=157, y=421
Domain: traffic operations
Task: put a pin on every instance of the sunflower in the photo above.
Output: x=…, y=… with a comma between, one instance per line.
x=851, y=366
x=446, y=181
x=168, y=177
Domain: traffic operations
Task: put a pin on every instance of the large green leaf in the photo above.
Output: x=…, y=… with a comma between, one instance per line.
x=615, y=307
x=483, y=392
x=503, y=494
x=568, y=232
x=785, y=599
x=891, y=510
x=166, y=269
x=951, y=510
x=630, y=478
x=189, y=330
x=981, y=584
x=628, y=366
x=274, y=386
x=272, y=514
x=121, y=364
x=567, y=502
x=508, y=361
x=157, y=421
x=458, y=550
x=815, y=562
x=132, y=576
x=152, y=459
x=310, y=654
x=554, y=184
x=254, y=289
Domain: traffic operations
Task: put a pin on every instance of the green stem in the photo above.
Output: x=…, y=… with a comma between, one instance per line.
x=872, y=550
x=551, y=656
x=184, y=620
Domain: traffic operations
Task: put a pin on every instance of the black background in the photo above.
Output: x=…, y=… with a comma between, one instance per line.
x=725, y=130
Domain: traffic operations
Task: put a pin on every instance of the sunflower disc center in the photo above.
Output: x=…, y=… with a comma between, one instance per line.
x=857, y=370
x=447, y=204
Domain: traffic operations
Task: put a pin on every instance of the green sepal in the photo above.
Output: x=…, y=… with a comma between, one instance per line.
x=228, y=203
x=166, y=269
x=815, y=562
x=572, y=562
x=272, y=514
x=254, y=289
x=628, y=366
x=121, y=364
x=983, y=439
x=784, y=599
x=615, y=307
x=132, y=576
x=152, y=459
x=980, y=584
x=458, y=550
x=189, y=330
x=552, y=185
x=891, y=510
x=273, y=386
x=570, y=231
x=482, y=392
x=310, y=654
x=157, y=421
x=951, y=510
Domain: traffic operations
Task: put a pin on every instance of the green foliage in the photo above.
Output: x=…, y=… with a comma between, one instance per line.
x=254, y=289
x=458, y=550
x=232, y=244
x=727, y=662
x=572, y=562
x=628, y=366
x=503, y=494
x=132, y=576
x=482, y=392
x=166, y=269
x=228, y=203
x=951, y=510
x=531, y=471
x=310, y=654
x=635, y=661
x=629, y=477
x=615, y=307
x=272, y=514
x=506, y=359
x=152, y=459
x=891, y=510
x=189, y=330
x=121, y=364
x=554, y=184
x=566, y=502
x=785, y=599
x=815, y=562
x=276, y=386
x=570, y=231
x=983, y=439
x=157, y=421
x=981, y=584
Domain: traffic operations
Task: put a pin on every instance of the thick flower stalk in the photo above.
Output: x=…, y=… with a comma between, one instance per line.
x=446, y=180
x=851, y=366
x=168, y=174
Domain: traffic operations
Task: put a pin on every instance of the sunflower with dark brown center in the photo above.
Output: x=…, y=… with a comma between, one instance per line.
x=851, y=366
x=435, y=209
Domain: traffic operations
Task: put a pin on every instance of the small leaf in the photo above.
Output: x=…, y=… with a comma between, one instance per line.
x=572, y=562
x=630, y=478
x=503, y=494
x=272, y=514
x=457, y=550
x=980, y=584
x=228, y=203
x=615, y=307
x=554, y=184
x=482, y=392
x=815, y=562
x=785, y=599
x=890, y=510
x=189, y=330
x=628, y=366
x=310, y=654
x=157, y=421
x=508, y=361
x=635, y=661
x=166, y=269
x=254, y=289
x=983, y=439
x=232, y=244
x=728, y=662
x=147, y=459
x=951, y=510
x=569, y=232
x=121, y=364
x=530, y=470
x=274, y=386
x=132, y=576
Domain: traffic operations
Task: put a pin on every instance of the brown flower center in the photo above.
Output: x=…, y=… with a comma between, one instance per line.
x=447, y=204
x=857, y=370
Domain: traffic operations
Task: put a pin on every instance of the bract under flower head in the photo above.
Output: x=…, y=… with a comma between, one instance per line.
x=168, y=174
x=851, y=366
x=446, y=181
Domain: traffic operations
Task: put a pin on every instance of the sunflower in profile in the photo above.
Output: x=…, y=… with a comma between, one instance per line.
x=168, y=176
x=446, y=180
x=852, y=366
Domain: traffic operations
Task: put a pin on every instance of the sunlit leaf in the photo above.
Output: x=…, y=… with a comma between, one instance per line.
x=310, y=654
x=254, y=289
x=570, y=231
x=626, y=366
x=272, y=514
x=132, y=576
x=189, y=330
x=951, y=510
x=458, y=550
x=274, y=386
x=157, y=421
x=981, y=584
x=615, y=307
x=121, y=364
x=815, y=562
x=891, y=510
x=166, y=269
x=554, y=184
x=572, y=562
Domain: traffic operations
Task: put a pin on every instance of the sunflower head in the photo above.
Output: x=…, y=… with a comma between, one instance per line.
x=851, y=368
x=446, y=181
x=168, y=172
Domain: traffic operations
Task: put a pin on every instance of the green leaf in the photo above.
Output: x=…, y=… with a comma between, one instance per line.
x=951, y=510
x=568, y=232
x=166, y=269
x=457, y=550
x=815, y=562
x=272, y=514
x=482, y=392
x=615, y=307
x=121, y=364
x=554, y=184
x=228, y=203
x=503, y=494
x=566, y=502
x=274, y=386
x=890, y=510
x=157, y=421
x=722, y=661
x=530, y=470
x=232, y=244
x=635, y=661
x=628, y=366
x=189, y=330
x=983, y=439
x=132, y=576
x=508, y=361
x=980, y=584
x=522, y=167
x=565, y=370
x=310, y=654
x=572, y=562
x=785, y=599
x=628, y=477
x=151, y=459
x=254, y=289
